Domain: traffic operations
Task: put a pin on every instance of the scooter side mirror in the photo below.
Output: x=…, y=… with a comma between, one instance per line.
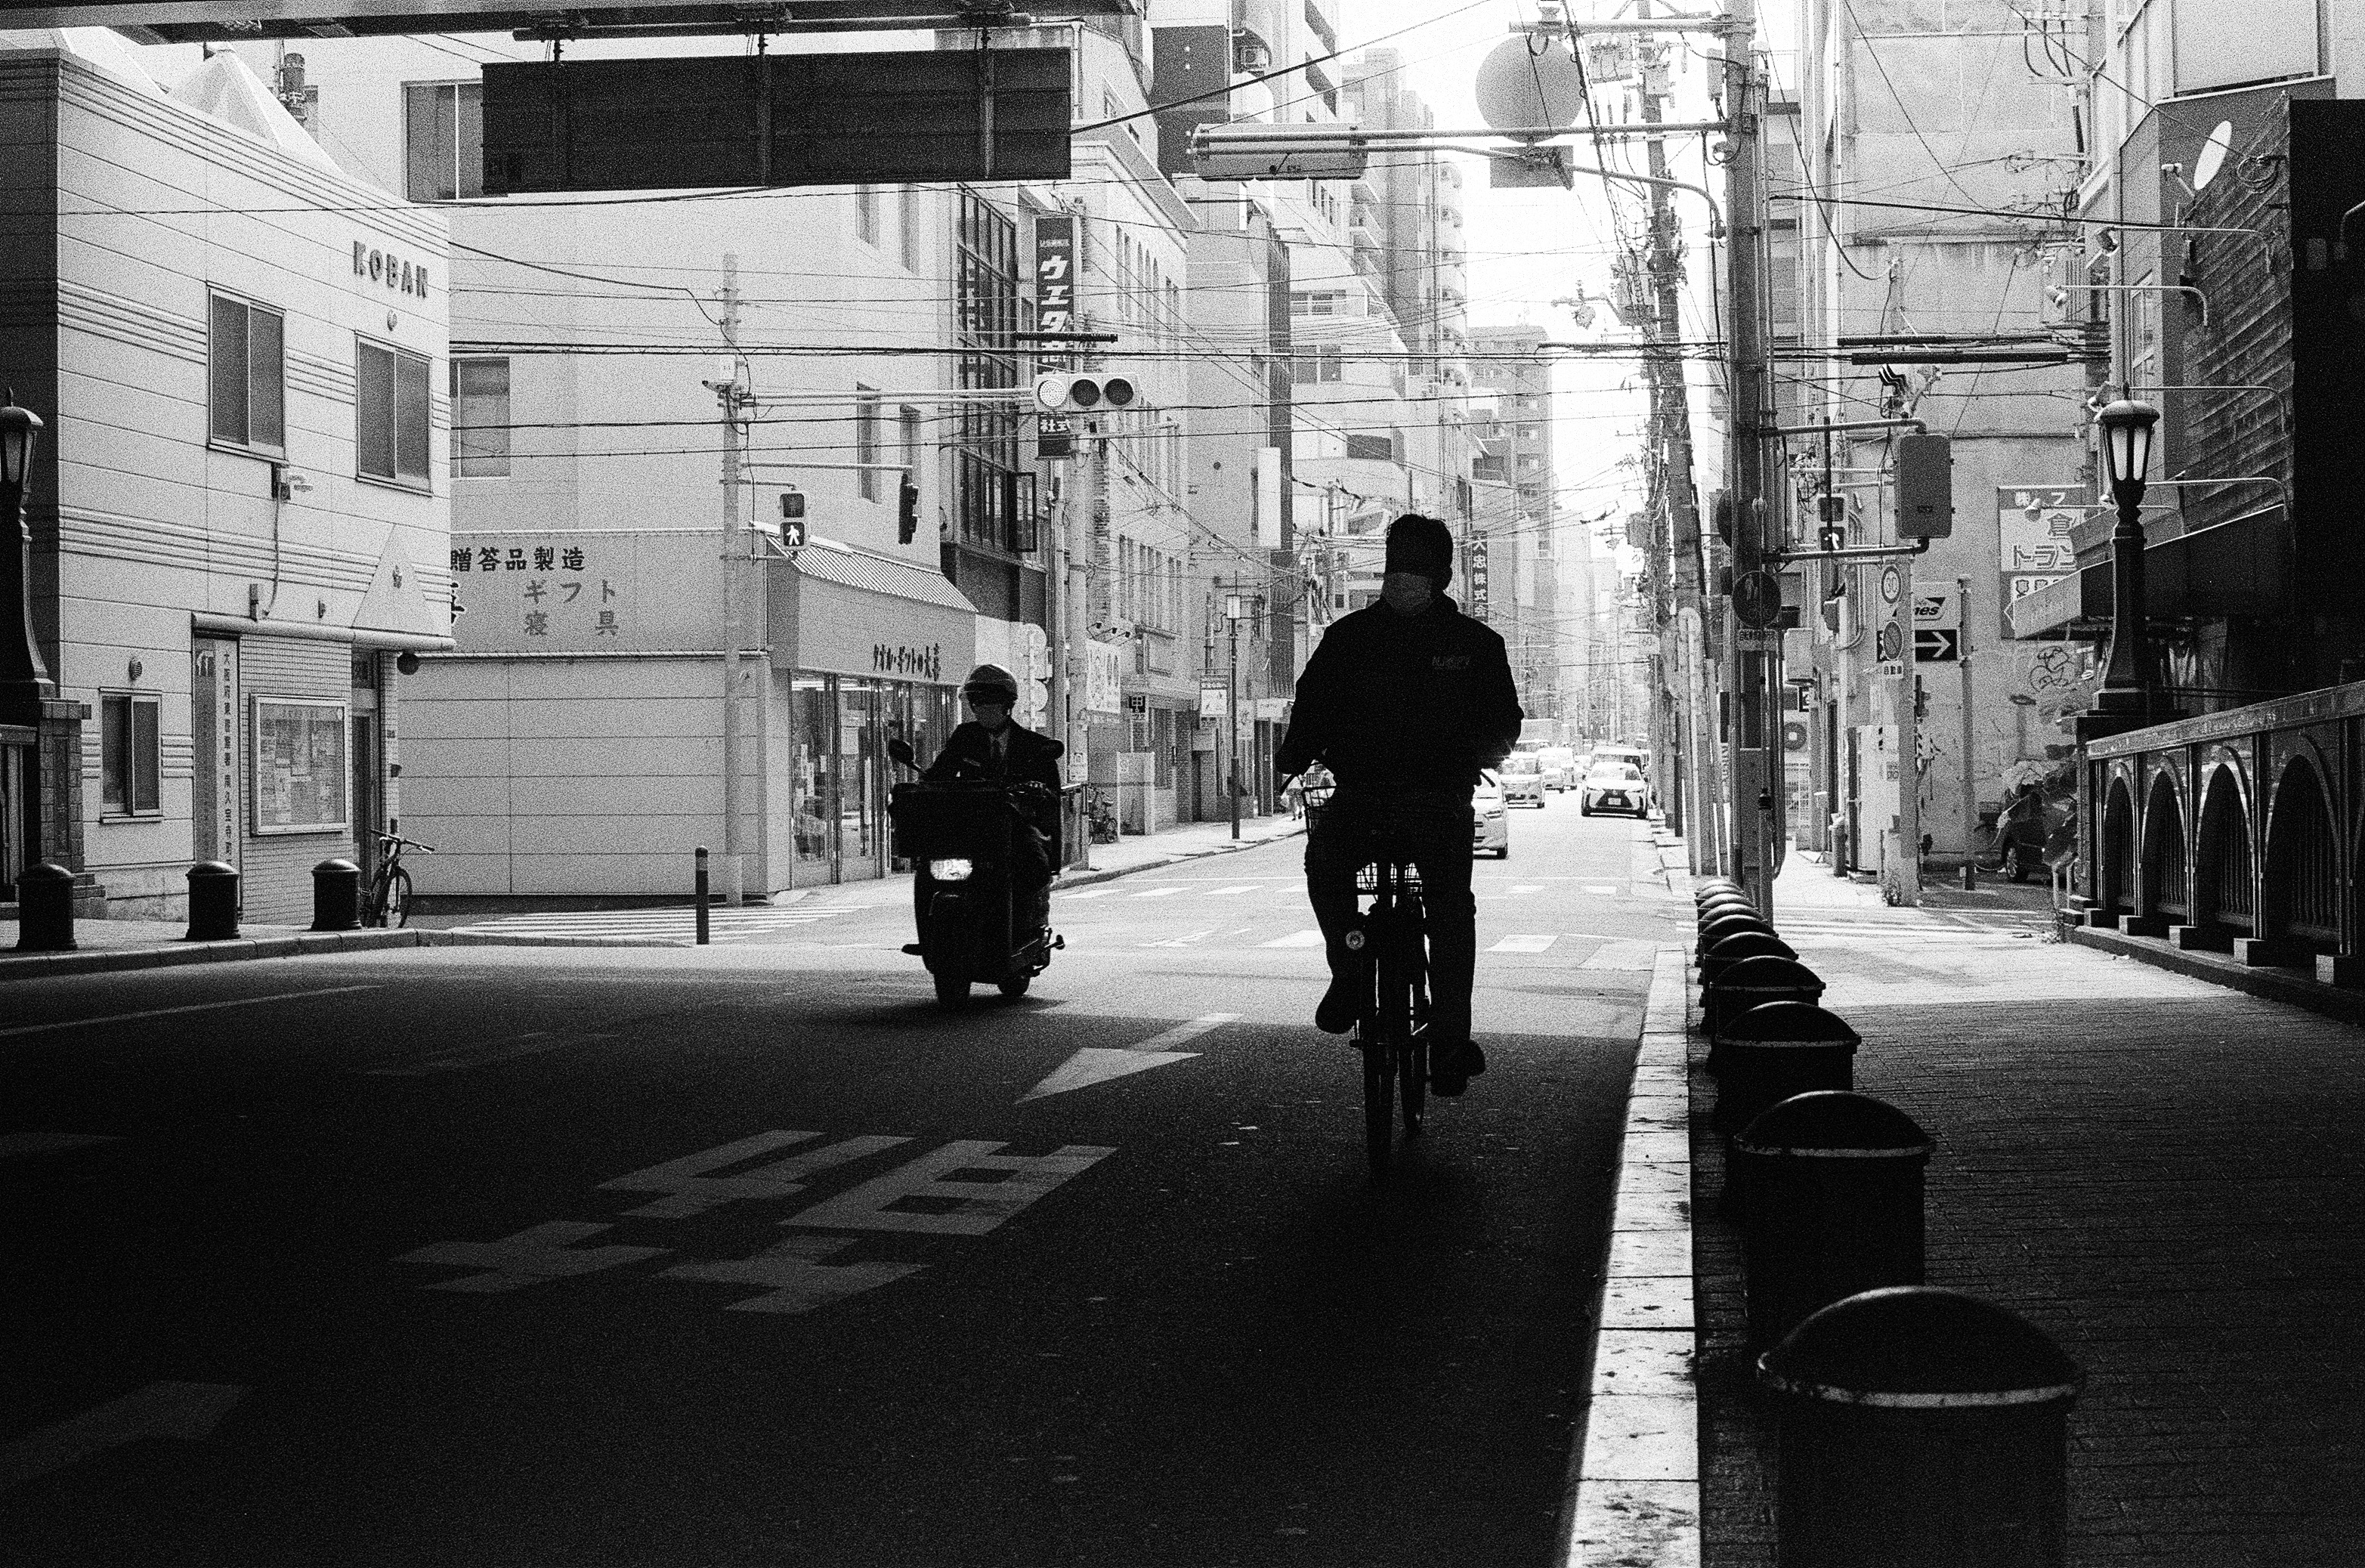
x=901, y=750
x=1059, y=749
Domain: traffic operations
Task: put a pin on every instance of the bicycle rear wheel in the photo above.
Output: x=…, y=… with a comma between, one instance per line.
x=1381, y=1036
x=396, y=909
x=1413, y=1064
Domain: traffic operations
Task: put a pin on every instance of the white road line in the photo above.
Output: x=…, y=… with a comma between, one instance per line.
x=186, y=1410
x=1082, y=893
x=1220, y=893
x=1296, y=939
x=1533, y=944
x=15, y=1146
x=1158, y=893
x=1527, y=887
x=167, y=1011
x=1600, y=888
x=1193, y=940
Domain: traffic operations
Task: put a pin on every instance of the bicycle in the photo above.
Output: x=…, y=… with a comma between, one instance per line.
x=386, y=901
x=1391, y=939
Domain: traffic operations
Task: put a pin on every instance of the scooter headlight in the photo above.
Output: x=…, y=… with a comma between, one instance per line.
x=950, y=870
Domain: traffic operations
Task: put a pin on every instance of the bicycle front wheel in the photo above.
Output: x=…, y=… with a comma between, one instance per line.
x=1379, y=1091
x=394, y=908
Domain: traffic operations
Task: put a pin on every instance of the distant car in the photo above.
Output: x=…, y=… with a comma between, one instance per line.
x=1490, y=823
x=1559, y=768
x=1615, y=787
x=1523, y=779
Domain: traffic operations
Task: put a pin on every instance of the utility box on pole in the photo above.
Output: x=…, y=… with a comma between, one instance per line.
x=1925, y=487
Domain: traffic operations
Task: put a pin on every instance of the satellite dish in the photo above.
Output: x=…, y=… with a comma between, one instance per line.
x=1521, y=86
x=2213, y=155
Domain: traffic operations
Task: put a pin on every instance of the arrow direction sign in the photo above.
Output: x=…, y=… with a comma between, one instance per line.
x=186, y=1410
x=1097, y=1064
x=1940, y=645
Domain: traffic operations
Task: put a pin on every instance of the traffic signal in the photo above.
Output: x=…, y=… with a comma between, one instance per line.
x=1084, y=392
x=792, y=521
x=907, y=511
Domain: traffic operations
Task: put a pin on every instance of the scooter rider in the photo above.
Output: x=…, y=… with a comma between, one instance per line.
x=995, y=746
x=1405, y=700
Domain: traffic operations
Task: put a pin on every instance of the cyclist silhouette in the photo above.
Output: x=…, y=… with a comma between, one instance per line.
x=1405, y=701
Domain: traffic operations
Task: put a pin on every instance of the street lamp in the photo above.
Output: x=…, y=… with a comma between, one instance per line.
x=25, y=681
x=1237, y=606
x=2126, y=427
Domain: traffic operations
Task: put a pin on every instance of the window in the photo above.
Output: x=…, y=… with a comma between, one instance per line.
x=866, y=213
x=443, y=140
x=249, y=373
x=480, y=418
x=128, y=774
x=986, y=491
x=907, y=226
x=1318, y=302
x=866, y=442
x=1322, y=364
x=390, y=414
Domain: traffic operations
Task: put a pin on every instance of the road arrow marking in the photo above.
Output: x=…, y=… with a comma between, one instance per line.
x=185, y=1410
x=1098, y=1064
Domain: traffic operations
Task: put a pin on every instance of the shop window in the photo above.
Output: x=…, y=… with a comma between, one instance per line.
x=480, y=417
x=129, y=778
x=390, y=414
x=443, y=140
x=248, y=370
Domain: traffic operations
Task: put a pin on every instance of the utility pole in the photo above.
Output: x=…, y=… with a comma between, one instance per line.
x=730, y=393
x=1752, y=654
x=1970, y=783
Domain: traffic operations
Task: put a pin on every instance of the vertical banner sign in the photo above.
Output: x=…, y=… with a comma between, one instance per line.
x=1055, y=311
x=1476, y=592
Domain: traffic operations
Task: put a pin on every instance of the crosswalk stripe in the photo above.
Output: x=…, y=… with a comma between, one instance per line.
x=1532, y=944
x=1158, y=893
x=1296, y=939
x=1219, y=893
x=1081, y=894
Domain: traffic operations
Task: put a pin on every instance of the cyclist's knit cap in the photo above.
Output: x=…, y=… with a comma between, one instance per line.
x=991, y=682
x=1423, y=544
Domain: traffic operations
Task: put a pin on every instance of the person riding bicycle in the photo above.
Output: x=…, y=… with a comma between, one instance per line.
x=1405, y=700
x=992, y=746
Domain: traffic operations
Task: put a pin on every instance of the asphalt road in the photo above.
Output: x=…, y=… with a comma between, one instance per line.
x=751, y=1255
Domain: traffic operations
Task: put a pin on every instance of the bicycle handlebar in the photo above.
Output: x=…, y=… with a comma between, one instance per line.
x=397, y=838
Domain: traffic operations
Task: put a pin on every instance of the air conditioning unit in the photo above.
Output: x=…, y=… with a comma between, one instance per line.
x=1250, y=53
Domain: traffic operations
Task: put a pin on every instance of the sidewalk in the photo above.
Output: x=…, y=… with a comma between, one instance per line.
x=108, y=945
x=2161, y=1174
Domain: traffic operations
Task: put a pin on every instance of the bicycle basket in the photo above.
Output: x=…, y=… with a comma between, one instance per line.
x=1367, y=880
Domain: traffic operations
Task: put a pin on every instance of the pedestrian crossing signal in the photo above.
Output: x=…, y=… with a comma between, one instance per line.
x=792, y=521
x=907, y=511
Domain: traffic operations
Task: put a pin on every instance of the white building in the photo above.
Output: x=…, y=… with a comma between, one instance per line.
x=240, y=501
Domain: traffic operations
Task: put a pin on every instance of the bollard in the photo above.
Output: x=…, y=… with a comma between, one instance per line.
x=1725, y=925
x=336, y=896
x=44, y=918
x=1746, y=982
x=698, y=895
x=1921, y=1428
x=1703, y=891
x=1732, y=949
x=213, y=902
x=1773, y=1050
x=1723, y=904
x=1834, y=1185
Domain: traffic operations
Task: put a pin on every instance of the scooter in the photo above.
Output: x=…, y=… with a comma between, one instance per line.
x=964, y=838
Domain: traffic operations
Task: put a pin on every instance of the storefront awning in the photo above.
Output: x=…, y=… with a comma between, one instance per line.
x=846, y=610
x=2238, y=567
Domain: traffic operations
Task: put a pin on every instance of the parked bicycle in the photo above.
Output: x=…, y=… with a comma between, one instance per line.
x=1391, y=939
x=386, y=901
x=1100, y=811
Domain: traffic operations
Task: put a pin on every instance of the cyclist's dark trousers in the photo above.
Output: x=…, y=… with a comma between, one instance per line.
x=1435, y=824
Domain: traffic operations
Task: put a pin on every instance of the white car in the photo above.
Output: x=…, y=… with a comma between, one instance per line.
x=1523, y=779
x=1615, y=787
x=1561, y=771
x=1490, y=823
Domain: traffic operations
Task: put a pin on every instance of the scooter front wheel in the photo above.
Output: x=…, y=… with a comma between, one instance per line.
x=952, y=991
x=1014, y=986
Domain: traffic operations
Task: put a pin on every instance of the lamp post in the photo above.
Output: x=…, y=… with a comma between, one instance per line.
x=2126, y=427
x=25, y=682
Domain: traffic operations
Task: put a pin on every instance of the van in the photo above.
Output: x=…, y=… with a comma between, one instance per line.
x=1559, y=768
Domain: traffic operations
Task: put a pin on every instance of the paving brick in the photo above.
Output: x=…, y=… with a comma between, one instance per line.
x=2162, y=1176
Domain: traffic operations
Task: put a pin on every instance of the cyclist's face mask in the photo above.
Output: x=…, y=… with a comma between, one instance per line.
x=1408, y=593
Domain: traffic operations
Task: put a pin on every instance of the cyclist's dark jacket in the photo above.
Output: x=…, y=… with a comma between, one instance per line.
x=1028, y=758
x=1389, y=699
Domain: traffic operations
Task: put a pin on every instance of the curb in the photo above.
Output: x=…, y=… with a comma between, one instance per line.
x=101, y=960
x=1633, y=1492
x=2294, y=987
x=1086, y=879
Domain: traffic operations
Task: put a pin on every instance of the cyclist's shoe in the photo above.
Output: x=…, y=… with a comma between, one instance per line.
x=1453, y=1064
x=1335, y=1014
